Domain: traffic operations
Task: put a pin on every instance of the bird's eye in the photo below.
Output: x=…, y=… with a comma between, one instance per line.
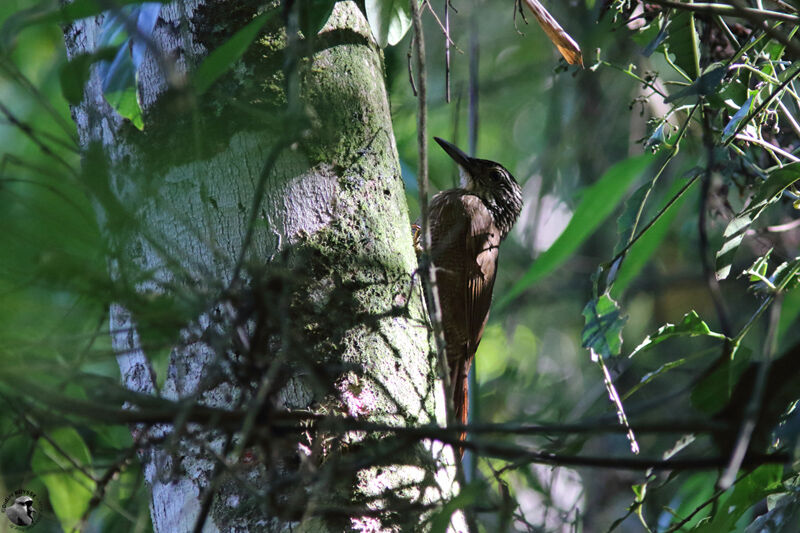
x=497, y=174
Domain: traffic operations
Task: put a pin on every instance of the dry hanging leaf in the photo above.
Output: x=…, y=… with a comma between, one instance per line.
x=565, y=44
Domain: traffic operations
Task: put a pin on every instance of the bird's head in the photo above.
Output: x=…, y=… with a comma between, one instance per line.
x=490, y=181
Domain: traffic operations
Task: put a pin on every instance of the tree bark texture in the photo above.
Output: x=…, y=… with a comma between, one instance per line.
x=301, y=298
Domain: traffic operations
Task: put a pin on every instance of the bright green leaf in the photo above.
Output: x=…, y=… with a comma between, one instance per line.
x=69, y=489
x=389, y=20
x=126, y=103
x=692, y=494
x=602, y=331
x=749, y=491
x=690, y=326
x=222, y=58
x=598, y=201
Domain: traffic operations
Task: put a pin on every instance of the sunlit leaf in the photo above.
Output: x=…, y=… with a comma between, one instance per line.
x=597, y=203
x=768, y=192
x=603, y=322
x=650, y=376
x=69, y=489
x=737, y=118
x=119, y=77
x=389, y=20
x=691, y=495
x=690, y=326
x=222, y=58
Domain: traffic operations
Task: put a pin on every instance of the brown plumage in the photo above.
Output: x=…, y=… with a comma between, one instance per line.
x=467, y=225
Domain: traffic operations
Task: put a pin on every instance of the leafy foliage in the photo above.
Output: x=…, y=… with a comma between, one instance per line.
x=714, y=182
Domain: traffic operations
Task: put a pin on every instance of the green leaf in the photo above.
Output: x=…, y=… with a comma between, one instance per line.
x=790, y=311
x=45, y=13
x=650, y=376
x=748, y=492
x=691, y=495
x=681, y=43
x=690, y=326
x=644, y=248
x=440, y=521
x=769, y=192
x=785, y=276
x=628, y=221
x=743, y=112
x=714, y=390
x=119, y=76
x=126, y=103
x=314, y=14
x=69, y=489
x=74, y=74
x=222, y=58
x=389, y=20
x=602, y=331
x=598, y=201
x=705, y=85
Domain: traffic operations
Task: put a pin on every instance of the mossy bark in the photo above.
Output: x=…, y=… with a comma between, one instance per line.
x=301, y=299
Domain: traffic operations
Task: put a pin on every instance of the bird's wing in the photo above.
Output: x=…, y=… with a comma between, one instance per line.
x=483, y=241
x=449, y=234
x=464, y=248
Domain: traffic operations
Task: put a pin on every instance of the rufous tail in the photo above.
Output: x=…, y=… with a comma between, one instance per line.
x=459, y=381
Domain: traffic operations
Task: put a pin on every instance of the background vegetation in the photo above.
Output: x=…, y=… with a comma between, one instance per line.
x=688, y=120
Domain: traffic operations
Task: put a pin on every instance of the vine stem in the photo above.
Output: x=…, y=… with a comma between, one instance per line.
x=426, y=266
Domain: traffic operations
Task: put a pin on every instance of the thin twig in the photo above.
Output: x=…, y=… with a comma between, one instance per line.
x=426, y=266
x=446, y=49
x=762, y=105
x=729, y=10
x=768, y=146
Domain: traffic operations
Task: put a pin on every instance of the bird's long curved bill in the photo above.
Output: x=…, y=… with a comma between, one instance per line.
x=455, y=152
x=565, y=44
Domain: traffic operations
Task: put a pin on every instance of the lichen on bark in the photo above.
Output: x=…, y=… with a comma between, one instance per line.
x=321, y=310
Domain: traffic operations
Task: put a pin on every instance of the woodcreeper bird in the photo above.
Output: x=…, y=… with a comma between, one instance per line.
x=467, y=225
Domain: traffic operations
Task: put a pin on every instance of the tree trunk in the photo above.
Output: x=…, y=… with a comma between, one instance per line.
x=263, y=233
